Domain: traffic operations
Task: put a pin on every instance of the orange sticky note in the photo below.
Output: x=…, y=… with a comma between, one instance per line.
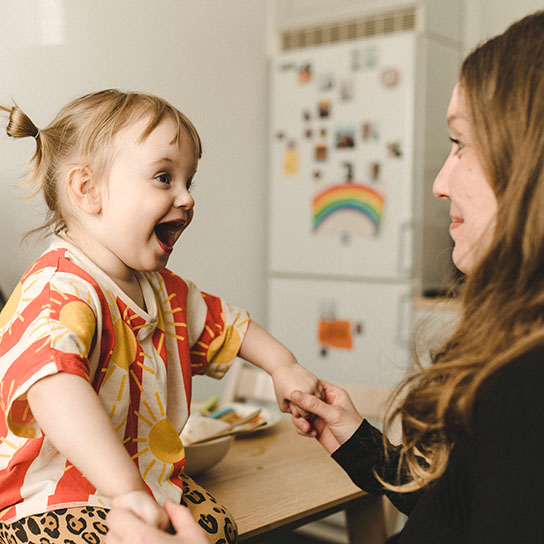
x=335, y=334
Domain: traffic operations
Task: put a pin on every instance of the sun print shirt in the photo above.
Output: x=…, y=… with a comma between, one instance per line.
x=67, y=315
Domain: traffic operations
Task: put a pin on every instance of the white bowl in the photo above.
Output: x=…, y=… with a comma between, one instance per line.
x=201, y=457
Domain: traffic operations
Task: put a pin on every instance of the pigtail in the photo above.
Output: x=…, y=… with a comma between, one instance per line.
x=19, y=124
x=38, y=176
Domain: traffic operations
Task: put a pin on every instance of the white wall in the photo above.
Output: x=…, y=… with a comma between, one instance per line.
x=207, y=58
x=485, y=18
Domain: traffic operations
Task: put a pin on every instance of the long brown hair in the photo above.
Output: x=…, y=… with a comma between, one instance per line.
x=502, y=304
x=82, y=133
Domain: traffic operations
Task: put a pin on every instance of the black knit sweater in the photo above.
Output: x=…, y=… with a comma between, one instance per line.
x=493, y=487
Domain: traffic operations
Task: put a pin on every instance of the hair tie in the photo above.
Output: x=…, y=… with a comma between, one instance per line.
x=37, y=134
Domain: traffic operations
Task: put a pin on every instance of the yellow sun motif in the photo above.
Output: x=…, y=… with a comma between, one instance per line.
x=10, y=312
x=225, y=346
x=79, y=318
x=163, y=440
x=124, y=350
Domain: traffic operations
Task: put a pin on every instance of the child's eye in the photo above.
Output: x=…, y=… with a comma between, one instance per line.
x=189, y=184
x=163, y=178
x=460, y=145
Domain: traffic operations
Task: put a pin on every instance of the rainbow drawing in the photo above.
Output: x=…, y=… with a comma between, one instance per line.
x=348, y=196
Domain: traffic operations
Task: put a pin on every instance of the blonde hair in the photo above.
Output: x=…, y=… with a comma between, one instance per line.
x=83, y=132
x=503, y=298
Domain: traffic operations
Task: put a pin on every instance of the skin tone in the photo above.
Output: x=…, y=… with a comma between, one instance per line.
x=126, y=528
x=463, y=182
x=117, y=221
x=126, y=224
x=473, y=210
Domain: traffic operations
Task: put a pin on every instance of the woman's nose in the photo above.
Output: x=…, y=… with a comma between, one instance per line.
x=440, y=185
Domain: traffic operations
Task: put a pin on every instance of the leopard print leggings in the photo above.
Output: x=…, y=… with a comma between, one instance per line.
x=87, y=525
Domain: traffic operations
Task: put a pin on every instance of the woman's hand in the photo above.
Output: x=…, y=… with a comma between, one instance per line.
x=127, y=528
x=336, y=418
x=144, y=507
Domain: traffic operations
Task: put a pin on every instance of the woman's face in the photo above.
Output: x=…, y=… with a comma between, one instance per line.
x=463, y=182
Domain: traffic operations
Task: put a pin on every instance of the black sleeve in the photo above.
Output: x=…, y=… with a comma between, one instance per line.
x=363, y=454
x=507, y=457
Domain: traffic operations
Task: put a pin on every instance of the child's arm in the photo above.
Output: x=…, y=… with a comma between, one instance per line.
x=72, y=416
x=264, y=351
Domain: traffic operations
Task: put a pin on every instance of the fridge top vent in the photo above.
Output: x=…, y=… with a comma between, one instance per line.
x=373, y=25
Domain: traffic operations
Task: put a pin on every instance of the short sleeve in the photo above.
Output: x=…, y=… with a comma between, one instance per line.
x=47, y=326
x=216, y=332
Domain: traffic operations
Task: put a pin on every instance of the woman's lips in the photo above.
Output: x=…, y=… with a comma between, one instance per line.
x=455, y=222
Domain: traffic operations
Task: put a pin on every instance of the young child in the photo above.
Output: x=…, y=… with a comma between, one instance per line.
x=98, y=341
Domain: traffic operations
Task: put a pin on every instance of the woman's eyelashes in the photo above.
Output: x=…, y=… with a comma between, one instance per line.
x=460, y=145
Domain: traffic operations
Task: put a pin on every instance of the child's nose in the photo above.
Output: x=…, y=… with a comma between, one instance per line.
x=184, y=199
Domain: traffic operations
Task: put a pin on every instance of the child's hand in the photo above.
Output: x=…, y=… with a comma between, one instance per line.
x=289, y=377
x=144, y=506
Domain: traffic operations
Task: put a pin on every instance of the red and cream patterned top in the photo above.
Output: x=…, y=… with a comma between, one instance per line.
x=67, y=315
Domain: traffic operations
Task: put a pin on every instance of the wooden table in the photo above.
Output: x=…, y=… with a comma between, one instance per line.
x=277, y=480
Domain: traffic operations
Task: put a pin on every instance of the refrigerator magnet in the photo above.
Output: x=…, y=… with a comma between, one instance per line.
x=304, y=74
x=324, y=108
x=390, y=77
x=374, y=171
x=345, y=138
x=369, y=57
x=349, y=171
x=290, y=160
x=370, y=131
x=320, y=152
x=394, y=150
x=347, y=90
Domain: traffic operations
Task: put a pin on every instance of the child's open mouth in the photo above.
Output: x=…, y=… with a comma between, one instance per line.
x=167, y=233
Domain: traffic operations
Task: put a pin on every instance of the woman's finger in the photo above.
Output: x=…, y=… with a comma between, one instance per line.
x=303, y=426
x=184, y=524
x=311, y=404
x=121, y=523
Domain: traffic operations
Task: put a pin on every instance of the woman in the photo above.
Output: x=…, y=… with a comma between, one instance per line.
x=470, y=466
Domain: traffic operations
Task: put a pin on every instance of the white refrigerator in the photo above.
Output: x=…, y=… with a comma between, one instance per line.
x=357, y=132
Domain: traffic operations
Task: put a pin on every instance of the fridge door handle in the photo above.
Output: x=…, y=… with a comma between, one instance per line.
x=405, y=261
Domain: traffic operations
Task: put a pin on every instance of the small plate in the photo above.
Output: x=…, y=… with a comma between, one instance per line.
x=271, y=416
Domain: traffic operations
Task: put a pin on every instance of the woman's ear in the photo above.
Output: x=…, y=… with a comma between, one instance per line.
x=83, y=190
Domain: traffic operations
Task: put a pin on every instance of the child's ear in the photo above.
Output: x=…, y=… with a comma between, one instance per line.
x=83, y=189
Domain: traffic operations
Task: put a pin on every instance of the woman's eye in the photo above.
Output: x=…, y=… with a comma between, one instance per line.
x=460, y=145
x=163, y=178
